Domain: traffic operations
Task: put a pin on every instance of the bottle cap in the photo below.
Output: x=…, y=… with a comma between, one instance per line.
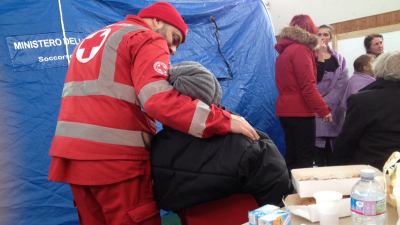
x=368, y=173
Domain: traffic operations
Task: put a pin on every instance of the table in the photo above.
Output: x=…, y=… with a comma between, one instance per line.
x=391, y=219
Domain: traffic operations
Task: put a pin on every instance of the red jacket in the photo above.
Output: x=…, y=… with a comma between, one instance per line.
x=296, y=76
x=115, y=87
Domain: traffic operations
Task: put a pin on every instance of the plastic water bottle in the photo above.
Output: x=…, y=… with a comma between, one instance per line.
x=368, y=200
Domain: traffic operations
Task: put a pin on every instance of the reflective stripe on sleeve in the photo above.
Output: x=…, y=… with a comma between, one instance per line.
x=200, y=116
x=100, y=134
x=153, y=88
x=99, y=87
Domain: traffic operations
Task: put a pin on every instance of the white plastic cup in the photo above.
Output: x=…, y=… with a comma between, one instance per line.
x=328, y=206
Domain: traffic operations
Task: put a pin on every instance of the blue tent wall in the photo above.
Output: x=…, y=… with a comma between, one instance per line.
x=30, y=90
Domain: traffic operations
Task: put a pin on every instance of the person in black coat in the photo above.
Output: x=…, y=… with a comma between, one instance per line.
x=371, y=131
x=188, y=170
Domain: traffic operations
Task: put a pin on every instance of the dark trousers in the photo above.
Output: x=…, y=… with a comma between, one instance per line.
x=299, y=140
x=323, y=156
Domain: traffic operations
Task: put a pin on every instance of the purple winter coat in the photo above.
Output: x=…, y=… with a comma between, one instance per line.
x=331, y=88
x=355, y=83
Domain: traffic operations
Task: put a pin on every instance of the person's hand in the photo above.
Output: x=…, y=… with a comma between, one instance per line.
x=241, y=126
x=328, y=118
x=321, y=50
x=321, y=45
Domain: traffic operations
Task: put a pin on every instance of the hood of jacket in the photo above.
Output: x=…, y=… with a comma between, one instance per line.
x=295, y=34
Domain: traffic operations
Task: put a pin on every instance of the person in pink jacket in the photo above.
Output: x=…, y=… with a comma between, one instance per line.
x=298, y=101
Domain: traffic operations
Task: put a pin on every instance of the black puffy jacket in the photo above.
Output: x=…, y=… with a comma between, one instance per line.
x=189, y=170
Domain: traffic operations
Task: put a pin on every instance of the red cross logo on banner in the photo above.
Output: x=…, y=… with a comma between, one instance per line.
x=91, y=45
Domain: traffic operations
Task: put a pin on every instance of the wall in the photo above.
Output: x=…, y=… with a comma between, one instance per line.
x=283, y=10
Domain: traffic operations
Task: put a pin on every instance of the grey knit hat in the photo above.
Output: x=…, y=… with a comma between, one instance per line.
x=193, y=79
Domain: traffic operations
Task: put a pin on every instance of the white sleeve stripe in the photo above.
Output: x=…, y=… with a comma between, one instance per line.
x=153, y=88
x=198, y=124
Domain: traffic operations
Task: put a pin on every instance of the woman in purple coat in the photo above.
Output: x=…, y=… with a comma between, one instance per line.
x=332, y=77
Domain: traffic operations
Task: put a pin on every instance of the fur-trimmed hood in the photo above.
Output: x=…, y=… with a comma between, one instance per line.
x=295, y=34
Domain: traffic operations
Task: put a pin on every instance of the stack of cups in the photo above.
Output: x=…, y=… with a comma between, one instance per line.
x=328, y=204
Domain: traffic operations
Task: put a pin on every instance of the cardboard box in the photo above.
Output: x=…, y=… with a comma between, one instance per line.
x=307, y=181
x=303, y=207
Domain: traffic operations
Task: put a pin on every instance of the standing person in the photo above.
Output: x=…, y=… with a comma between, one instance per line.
x=298, y=100
x=371, y=131
x=373, y=44
x=115, y=87
x=362, y=76
x=332, y=76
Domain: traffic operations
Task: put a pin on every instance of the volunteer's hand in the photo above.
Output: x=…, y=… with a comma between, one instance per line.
x=328, y=118
x=241, y=126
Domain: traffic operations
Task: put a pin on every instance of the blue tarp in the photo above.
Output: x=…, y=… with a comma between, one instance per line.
x=232, y=38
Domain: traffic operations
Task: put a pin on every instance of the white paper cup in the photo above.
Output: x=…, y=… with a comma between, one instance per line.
x=328, y=206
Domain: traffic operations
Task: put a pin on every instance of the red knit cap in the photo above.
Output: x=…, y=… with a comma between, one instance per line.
x=166, y=12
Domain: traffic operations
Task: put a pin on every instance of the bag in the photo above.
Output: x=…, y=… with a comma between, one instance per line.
x=391, y=171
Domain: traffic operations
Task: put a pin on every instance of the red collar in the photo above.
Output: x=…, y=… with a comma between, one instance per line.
x=137, y=20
